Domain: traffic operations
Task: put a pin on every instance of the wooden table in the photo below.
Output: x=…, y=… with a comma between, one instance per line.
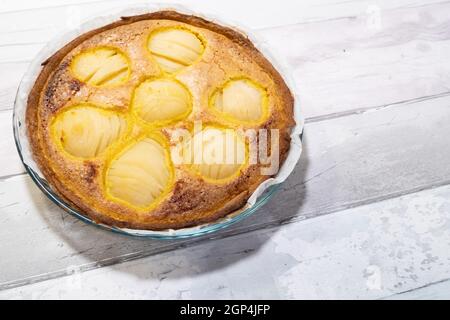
x=366, y=214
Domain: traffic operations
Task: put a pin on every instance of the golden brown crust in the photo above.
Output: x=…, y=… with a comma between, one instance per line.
x=192, y=200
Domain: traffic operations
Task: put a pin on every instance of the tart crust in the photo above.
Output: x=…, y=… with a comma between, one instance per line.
x=191, y=199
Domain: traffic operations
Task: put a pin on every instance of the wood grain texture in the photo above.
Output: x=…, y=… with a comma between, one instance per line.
x=374, y=81
x=374, y=50
x=348, y=161
x=368, y=61
x=439, y=290
x=10, y=164
x=255, y=13
x=367, y=252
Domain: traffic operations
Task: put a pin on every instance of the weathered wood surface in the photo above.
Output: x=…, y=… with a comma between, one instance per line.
x=371, y=251
x=348, y=161
x=374, y=81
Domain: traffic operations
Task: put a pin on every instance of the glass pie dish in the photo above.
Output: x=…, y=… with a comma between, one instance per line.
x=258, y=198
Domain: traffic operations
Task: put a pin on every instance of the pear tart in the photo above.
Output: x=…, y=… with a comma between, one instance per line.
x=104, y=112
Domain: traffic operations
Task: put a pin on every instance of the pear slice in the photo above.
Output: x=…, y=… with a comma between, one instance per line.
x=241, y=100
x=85, y=131
x=101, y=67
x=140, y=174
x=216, y=153
x=174, y=49
x=161, y=100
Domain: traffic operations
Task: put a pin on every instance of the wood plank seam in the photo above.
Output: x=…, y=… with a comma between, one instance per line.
x=415, y=289
x=374, y=108
x=193, y=242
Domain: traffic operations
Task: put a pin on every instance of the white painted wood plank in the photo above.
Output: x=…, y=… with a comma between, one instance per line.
x=347, y=161
x=41, y=24
x=359, y=62
x=433, y=291
x=403, y=58
x=255, y=13
x=14, y=5
x=9, y=158
x=362, y=253
x=10, y=77
x=264, y=13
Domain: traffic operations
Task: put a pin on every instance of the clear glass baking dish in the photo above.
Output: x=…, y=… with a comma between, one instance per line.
x=22, y=144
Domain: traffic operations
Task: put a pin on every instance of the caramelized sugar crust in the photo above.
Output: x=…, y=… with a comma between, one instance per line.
x=105, y=107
